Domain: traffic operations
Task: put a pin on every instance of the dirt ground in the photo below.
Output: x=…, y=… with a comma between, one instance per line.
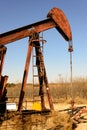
x=62, y=106
x=51, y=121
x=37, y=121
x=82, y=126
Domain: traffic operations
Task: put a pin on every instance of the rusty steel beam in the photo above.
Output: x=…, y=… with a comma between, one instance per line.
x=3, y=84
x=42, y=74
x=56, y=18
x=3, y=50
x=24, y=81
x=26, y=31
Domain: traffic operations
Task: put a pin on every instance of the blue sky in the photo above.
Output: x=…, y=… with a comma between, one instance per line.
x=18, y=13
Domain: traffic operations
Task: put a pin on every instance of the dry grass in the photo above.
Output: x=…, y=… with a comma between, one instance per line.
x=61, y=93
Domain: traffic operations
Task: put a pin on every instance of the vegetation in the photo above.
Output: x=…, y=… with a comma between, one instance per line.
x=61, y=92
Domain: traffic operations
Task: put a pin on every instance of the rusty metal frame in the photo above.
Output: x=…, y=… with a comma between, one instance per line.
x=55, y=18
x=24, y=81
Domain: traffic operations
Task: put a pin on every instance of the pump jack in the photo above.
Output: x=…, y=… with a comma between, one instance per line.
x=55, y=18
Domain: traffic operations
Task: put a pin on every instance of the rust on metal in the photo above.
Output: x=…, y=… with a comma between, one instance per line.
x=2, y=57
x=41, y=72
x=24, y=81
x=62, y=24
x=25, y=31
x=3, y=85
x=56, y=19
x=3, y=80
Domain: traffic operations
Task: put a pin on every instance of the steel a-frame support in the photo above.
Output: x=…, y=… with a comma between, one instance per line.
x=25, y=76
x=33, y=41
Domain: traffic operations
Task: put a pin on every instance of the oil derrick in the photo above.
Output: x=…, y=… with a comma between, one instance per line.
x=3, y=81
